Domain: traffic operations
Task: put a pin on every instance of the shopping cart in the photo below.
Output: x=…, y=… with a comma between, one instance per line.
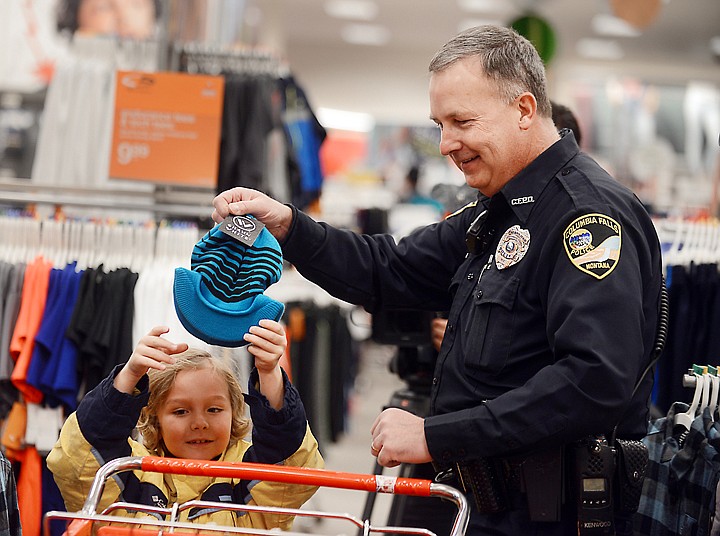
x=88, y=522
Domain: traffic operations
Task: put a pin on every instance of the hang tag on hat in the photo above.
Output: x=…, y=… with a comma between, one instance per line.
x=244, y=229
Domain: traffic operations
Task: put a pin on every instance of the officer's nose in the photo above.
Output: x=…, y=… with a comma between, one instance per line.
x=448, y=142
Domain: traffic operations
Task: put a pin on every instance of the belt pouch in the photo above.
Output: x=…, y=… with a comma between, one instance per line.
x=484, y=478
x=631, y=466
x=543, y=481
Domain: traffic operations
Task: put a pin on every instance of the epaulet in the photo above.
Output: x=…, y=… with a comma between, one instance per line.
x=460, y=210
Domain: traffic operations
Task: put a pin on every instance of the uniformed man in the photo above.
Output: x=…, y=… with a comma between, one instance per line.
x=552, y=281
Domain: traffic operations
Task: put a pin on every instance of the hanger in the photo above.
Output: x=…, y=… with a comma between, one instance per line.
x=715, y=242
x=673, y=251
x=685, y=419
x=715, y=382
x=706, y=388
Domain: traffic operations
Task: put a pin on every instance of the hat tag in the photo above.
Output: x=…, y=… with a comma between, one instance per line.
x=244, y=229
x=512, y=247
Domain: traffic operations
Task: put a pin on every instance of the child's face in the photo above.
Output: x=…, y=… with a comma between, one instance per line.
x=196, y=418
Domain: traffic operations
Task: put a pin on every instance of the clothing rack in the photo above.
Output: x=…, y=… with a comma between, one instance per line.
x=690, y=379
x=219, y=59
x=178, y=202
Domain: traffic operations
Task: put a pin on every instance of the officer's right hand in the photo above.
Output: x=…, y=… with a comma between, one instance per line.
x=276, y=216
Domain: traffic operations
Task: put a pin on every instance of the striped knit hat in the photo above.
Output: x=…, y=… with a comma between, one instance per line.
x=221, y=296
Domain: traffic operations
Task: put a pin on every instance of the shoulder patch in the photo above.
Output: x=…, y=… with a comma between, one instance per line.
x=458, y=211
x=592, y=242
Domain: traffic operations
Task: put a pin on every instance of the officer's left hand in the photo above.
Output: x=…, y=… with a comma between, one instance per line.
x=398, y=436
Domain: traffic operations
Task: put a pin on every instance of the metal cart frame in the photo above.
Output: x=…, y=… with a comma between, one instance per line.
x=82, y=523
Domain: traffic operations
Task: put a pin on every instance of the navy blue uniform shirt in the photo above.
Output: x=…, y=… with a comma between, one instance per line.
x=550, y=327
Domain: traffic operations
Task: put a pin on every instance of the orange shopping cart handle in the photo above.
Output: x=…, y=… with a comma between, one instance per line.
x=257, y=471
x=288, y=475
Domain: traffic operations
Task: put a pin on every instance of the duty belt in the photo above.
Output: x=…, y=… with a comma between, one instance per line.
x=493, y=482
x=490, y=480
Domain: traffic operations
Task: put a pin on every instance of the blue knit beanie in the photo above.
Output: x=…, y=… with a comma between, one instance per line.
x=221, y=296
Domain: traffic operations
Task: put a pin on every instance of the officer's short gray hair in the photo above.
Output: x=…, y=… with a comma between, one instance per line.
x=506, y=57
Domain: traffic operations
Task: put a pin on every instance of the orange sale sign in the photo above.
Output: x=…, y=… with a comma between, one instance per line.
x=167, y=127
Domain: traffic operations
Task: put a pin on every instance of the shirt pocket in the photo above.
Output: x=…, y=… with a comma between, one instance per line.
x=488, y=329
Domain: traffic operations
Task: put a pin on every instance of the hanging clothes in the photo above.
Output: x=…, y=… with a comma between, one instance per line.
x=9, y=512
x=63, y=324
x=53, y=368
x=267, y=121
x=101, y=324
x=11, y=283
x=248, y=118
x=682, y=476
x=305, y=135
x=34, y=297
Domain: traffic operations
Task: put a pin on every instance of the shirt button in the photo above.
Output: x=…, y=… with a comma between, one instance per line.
x=470, y=276
x=451, y=327
x=435, y=381
x=479, y=294
x=566, y=171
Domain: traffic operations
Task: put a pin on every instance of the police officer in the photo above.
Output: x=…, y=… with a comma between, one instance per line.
x=552, y=280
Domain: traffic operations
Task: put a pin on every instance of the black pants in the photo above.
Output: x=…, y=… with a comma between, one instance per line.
x=424, y=512
x=438, y=515
x=517, y=521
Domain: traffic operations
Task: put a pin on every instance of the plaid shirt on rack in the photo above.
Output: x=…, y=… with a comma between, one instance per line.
x=9, y=513
x=679, y=489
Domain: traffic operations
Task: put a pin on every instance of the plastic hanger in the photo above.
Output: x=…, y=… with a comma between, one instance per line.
x=715, y=382
x=685, y=419
x=673, y=253
x=715, y=242
x=706, y=388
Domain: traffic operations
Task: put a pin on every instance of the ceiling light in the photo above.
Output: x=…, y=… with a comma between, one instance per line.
x=343, y=120
x=599, y=49
x=352, y=9
x=365, y=34
x=609, y=25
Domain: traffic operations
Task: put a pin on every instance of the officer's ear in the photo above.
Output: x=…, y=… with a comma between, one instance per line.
x=527, y=106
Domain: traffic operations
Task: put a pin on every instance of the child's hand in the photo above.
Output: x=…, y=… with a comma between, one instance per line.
x=151, y=352
x=267, y=345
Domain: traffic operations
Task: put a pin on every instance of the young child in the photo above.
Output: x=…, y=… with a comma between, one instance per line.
x=187, y=404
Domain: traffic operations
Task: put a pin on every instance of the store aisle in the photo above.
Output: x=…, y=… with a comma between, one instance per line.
x=374, y=387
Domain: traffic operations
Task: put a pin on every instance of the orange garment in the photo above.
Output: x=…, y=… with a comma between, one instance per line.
x=13, y=438
x=29, y=492
x=32, y=307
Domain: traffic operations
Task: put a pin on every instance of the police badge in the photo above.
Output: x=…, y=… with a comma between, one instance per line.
x=592, y=242
x=512, y=247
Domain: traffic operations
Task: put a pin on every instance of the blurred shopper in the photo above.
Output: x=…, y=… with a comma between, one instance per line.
x=131, y=19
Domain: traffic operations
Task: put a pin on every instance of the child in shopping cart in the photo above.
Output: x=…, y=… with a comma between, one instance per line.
x=187, y=404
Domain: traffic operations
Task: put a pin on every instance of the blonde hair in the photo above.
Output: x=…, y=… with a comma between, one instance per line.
x=161, y=381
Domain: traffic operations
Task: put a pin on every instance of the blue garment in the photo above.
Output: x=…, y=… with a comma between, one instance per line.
x=221, y=297
x=53, y=368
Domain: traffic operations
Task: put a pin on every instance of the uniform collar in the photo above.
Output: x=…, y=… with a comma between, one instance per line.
x=523, y=190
